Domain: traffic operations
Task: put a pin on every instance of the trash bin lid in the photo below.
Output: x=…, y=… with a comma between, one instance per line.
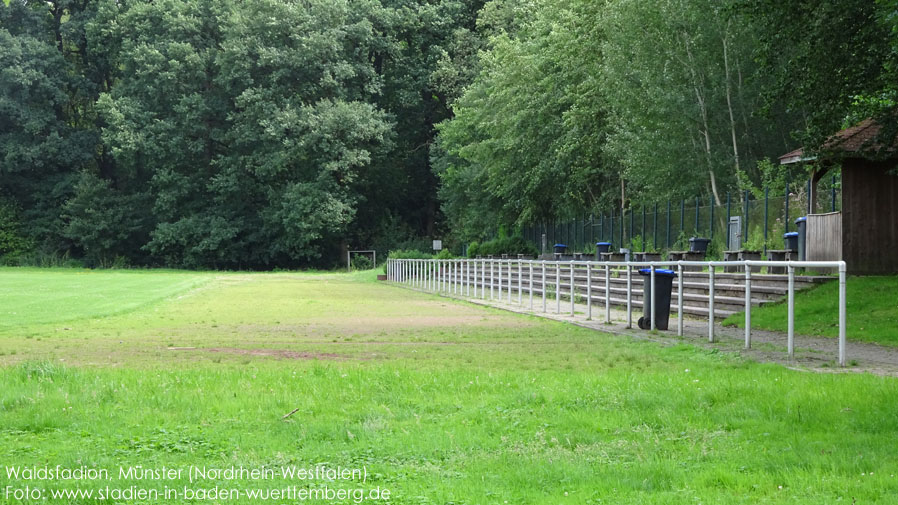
x=699, y=239
x=790, y=234
x=658, y=271
x=559, y=245
x=603, y=243
x=802, y=218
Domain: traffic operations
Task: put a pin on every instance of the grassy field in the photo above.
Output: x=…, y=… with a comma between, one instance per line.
x=442, y=402
x=872, y=311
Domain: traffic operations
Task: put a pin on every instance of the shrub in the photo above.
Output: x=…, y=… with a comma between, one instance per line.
x=473, y=249
x=507, y=245
x=361, y=262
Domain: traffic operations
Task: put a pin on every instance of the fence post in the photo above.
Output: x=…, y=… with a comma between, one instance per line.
x=630, y=296
x=645, y=236
x=747, y=305
x=842, y=312
x=668, y=223
x=680, y=298
x=558, y=287
x=697, y=202
x=810, y=203
x=727, y=224
x=711, y=219
x=492, y=279
x=520, y=281
x=483, y=280
x=745, y=233
x=682, y=214
x=572, y=289
x=790, y=338
x=631, y=230
x=589, y=291
x=544, y=284
x=786, y=207
x=766, y=219
x=607, y=293
x=655, y=228
x=652, y=301
x=530, y=288
x=710, y=303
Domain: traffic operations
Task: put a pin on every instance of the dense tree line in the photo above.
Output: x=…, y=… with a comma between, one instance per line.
x=600, y=104
x=218, y=133
x=277, y=133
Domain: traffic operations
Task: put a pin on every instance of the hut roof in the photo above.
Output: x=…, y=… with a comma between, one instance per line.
x=858, y=139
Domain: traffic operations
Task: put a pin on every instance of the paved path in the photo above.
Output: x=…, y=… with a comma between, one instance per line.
x=811, y=353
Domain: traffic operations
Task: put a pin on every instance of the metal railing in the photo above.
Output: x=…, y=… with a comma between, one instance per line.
x=484, y=277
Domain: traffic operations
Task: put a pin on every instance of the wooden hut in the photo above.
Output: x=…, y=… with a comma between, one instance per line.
x=866, y=230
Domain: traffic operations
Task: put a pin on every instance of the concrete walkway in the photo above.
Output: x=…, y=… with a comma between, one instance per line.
x=811, y=353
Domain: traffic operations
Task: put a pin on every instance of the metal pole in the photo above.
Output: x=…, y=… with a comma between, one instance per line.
x=510, y=287
x=348, y=266
x=655, y=228
x=747, y=305
x=668, y=223
x=745, y=233
x=492, y=282
x=711, y=218
x=572, y=289
x=589, y=291
x=697, y=202
x=607, y=293
x=766, y=216
x=842, y=312
x=727, y=224
x=652, y=302
x=544, y=284
x=682, y=214
x=833, y=191
x=468, y=278
x=499, y=287
x=557, y=287
x=711, y=273
x=679, y=298
x=483, y=279
x=520, y=281
x=787, y=207
x=530, y=289
x=629, y=296
x=790, y=342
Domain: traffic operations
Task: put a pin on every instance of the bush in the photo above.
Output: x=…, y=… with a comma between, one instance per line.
x=507, y=245
x=406, y=254
x=473, y=249
x=361, y=262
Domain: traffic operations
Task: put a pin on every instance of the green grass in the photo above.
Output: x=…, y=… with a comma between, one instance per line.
x=30, y=295
x=443, y=402
x=871, y=311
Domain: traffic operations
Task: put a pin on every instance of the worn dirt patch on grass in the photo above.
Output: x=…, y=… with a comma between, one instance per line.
x=275, y=353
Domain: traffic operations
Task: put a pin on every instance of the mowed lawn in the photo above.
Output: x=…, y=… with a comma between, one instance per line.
x=442, y=401
x=871, y=310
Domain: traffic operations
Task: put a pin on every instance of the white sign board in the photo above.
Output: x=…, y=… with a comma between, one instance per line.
x=437, y=245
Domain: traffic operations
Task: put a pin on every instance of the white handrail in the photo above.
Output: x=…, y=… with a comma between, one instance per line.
x=459, y=277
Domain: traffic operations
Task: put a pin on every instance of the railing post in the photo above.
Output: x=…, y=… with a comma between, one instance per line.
x=747, y=304
x=607, y=293
x=509, y=281
x=589, y=291
x=843, y=273
x=544, y=284
x=680, y=298
x=492, y=279
x=630, y=295
x=652, y=301
x=790, y=338
x=711, y=273
x=483, y=280
x=520, y=281
x=530, y=289
x=558, y=287
x=572, y=289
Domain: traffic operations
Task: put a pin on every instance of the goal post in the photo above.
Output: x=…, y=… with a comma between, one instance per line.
x=349, y=254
